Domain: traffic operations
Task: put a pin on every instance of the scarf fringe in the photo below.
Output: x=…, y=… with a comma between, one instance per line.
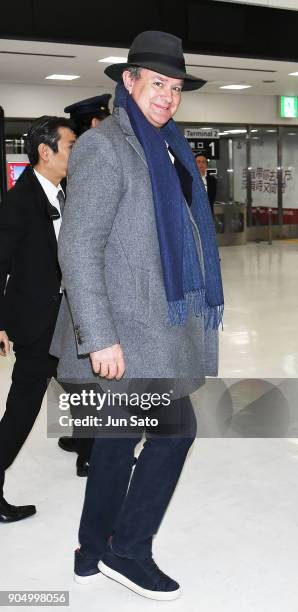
x=195, y=303
x=214, y=317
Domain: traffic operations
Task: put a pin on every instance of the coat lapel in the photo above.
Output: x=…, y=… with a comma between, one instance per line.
x=129, y=134
x=42, y=203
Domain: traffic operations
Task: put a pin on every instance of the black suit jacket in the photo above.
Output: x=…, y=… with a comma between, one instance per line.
x=211, y=188
x=28, y=253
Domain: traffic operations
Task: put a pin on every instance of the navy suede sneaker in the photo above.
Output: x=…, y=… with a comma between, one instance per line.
x=142, y=576
x=85, y=568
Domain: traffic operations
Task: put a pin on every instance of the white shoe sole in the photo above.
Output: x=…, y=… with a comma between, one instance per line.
x=86, y=579
x=158, y=595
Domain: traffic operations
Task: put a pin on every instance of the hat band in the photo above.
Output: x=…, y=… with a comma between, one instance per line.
x=167, y=60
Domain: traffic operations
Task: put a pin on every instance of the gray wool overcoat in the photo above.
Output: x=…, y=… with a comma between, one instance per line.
x=112, y=274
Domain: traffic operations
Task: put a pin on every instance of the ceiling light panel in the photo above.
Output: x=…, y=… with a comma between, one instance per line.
x=113, y=59
x=235, y=86
x=63, y=77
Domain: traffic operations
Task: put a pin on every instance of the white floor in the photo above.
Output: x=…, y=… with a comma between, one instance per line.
x=260, y=337
x=230, y=534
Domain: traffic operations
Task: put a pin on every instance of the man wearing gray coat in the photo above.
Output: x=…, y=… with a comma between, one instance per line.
x=142, y=304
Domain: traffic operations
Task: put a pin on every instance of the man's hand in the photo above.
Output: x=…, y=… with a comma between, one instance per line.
x=109, y=362
x=4, y=344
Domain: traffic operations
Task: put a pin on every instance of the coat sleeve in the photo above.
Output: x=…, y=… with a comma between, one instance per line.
x=12, y=230
x=94, y=189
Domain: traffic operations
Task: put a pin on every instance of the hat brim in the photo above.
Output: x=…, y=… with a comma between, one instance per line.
x=114, y=71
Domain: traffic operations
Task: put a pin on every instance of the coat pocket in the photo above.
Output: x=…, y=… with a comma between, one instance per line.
x=142, y=302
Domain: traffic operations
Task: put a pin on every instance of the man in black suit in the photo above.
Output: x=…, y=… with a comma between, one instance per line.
x=209, y=180
x=30, y=218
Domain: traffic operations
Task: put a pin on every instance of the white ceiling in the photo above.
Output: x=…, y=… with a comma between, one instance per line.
x=15, y=67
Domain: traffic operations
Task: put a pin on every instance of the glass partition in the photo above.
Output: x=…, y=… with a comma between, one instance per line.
x=289, y=161
x=257, y=166
x=264, y=173
x=232, y=164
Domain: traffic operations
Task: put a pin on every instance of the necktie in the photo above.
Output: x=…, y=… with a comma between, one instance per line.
x=52, y=211
x=61, y=200
x=184, y=177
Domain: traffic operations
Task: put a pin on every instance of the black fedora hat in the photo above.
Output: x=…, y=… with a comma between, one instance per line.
x=158, y=51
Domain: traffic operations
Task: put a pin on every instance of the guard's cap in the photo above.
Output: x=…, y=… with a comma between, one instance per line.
x=90, y=105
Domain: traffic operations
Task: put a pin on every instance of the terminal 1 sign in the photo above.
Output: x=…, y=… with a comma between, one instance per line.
x=203, y=139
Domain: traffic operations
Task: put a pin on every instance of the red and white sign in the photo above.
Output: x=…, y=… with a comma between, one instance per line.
x=14, y=170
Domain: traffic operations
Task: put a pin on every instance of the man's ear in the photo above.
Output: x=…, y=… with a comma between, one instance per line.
x=128, y=80
x=43, y=151
x=95, y=122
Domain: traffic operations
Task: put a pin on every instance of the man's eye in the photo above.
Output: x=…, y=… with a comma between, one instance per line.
x=177, y=89
x=158, y=83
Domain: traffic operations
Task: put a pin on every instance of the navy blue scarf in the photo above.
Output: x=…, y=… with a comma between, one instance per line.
x=189, y=289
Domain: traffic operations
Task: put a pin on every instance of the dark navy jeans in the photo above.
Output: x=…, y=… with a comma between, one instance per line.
x=132, y=511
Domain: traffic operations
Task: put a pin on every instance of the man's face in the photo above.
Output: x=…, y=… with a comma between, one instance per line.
x=157, y=96
x=58, y=162
x=202, y=164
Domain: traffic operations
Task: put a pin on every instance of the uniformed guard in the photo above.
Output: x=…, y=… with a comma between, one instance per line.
x=89, y=113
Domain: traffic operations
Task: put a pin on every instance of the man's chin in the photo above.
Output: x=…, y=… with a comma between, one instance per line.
x=159, y=123
x=159, y=119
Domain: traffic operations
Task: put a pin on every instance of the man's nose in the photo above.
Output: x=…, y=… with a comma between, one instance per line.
x=168, y=94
